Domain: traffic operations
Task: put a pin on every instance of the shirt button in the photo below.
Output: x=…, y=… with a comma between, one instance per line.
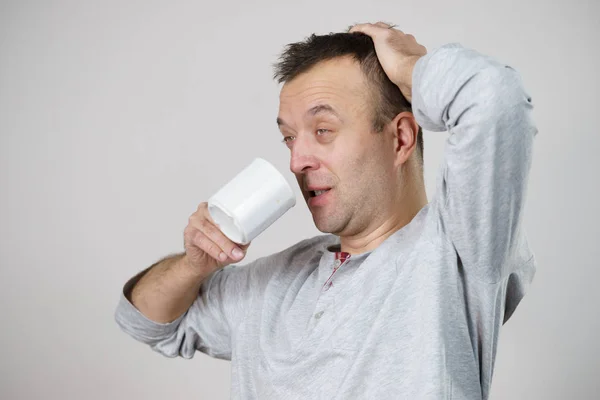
x=319, y=314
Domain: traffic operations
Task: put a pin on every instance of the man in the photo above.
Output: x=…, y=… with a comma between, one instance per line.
x=402, y=298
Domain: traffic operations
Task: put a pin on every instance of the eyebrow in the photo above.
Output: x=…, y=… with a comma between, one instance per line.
x=313, y=111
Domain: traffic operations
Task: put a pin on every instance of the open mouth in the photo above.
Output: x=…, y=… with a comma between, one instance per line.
x=316, y=193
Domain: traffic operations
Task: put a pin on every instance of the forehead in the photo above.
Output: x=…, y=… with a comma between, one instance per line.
x=339, y=80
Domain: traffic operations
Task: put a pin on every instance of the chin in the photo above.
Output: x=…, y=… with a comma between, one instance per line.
x=323, y=229
x=321, y=224
x=327, y=225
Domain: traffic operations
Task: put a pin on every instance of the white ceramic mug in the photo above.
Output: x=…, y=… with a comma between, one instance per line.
x=251, y=201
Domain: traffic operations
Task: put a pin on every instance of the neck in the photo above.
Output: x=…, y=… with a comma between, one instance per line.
x=382, y=228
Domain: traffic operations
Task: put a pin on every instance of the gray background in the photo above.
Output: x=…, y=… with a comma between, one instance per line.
x=118, y=117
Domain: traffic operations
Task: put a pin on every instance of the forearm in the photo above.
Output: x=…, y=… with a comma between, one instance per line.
x=167, y=290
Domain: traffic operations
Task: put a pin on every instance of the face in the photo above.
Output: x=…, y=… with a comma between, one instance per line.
x=344, y=168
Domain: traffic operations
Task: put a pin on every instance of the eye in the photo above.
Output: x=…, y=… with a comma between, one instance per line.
x=322, y=131
x=287, y=140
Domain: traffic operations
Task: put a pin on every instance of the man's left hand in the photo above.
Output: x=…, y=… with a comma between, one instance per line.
x=397, y=53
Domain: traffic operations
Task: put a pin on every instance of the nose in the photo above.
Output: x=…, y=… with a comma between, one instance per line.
x=303, y=157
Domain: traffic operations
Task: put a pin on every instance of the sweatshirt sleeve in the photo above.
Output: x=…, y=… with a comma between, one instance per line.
x=208, y=324
x=482, y=182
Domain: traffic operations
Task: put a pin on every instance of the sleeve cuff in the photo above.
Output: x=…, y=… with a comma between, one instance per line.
x=419, y=85
x=136, y=324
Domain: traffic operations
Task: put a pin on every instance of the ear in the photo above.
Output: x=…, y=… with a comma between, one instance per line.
x=406, y=130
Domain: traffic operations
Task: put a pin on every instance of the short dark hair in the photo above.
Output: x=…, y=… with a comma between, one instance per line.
x=301, y=56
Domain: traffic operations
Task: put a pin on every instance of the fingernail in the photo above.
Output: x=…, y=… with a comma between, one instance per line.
x=222, y=256
x=237, y=253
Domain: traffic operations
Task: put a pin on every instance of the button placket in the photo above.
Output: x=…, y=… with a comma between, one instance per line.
x=336, y=265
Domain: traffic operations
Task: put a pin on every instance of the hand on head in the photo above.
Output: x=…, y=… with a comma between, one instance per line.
x=397, y=53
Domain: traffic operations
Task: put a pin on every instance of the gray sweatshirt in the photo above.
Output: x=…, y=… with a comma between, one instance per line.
x=418, y=317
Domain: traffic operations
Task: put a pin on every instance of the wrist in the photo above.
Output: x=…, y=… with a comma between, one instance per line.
x=405, y=84
x=185, y=269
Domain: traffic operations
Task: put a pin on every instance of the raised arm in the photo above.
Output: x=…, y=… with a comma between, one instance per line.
x=483, y=178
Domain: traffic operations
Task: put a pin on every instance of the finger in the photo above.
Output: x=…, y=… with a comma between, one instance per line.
x=204, y=243
x=375, y=30
x=202, y=221
x=216, y=236
x=387, y=26
x=203, y=210
x=384, y=25
x=368, y=29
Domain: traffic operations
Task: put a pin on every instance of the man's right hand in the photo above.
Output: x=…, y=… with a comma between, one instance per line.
x=206, y=247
